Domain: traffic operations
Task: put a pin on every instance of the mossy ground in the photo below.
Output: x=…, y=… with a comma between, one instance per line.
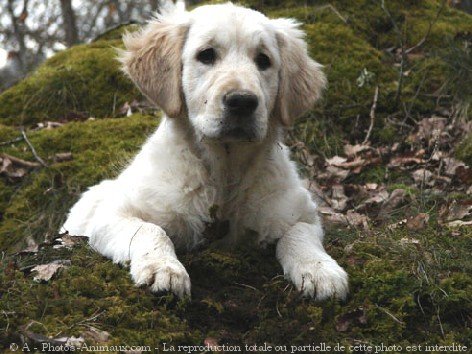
x=401, y=292
x=81, y=82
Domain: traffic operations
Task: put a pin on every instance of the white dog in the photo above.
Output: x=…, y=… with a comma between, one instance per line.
x=229, y=80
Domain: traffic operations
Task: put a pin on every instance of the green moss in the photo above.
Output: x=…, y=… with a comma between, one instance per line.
x=84, y=81
x=96, y=146
x=116, y=33
x=400, y=293
x=348, y=36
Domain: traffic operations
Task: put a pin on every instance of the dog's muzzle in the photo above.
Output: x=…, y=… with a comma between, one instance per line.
x=238, y=123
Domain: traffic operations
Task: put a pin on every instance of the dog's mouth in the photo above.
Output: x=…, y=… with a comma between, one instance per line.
x=236, y=135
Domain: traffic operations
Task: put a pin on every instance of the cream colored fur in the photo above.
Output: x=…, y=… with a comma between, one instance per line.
x=164, y=198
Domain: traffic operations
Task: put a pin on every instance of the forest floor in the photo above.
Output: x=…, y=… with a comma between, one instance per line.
x=387, y=154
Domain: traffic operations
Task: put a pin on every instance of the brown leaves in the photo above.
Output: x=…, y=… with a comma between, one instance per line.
x=417, y=222
x=457, y=213
x=357, y=316
x=46, y=271
x=15, y=168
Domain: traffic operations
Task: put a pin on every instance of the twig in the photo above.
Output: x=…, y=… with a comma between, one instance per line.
x=247, y=286
x=332, y=8
x=390, y=314
x=20, y=162
x=3, y=143
x=402, y=46
x=408, y=112
x=428, y=32
x=372, y=115
x=33, y=150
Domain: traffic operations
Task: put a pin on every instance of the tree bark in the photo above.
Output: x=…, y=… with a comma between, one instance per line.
x=70, y=26
x=154, y=4
x=18, y=31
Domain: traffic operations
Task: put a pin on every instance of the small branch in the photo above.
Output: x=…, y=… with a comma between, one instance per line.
x=431, y=24
x=372, y=115
x=390, y=314
x=33, y=150
x=20, y=162
x=403, y=53
x=3, y=143
x=332, y=8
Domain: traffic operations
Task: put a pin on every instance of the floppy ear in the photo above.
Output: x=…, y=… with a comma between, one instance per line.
x=152, y=60
x=301, y=78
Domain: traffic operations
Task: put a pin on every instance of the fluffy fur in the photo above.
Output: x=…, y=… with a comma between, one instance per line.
x=191, y=165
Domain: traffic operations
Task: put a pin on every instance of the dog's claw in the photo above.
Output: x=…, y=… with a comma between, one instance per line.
x=166, y=274
x=320, y=279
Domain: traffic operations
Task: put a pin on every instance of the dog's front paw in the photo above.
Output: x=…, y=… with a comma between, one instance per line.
x=319, y=279
x=162, y=274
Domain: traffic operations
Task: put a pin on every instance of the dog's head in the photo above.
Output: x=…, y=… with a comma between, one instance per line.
x=229, y=70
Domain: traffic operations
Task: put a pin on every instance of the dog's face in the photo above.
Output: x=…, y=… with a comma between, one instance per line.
x=230, y=71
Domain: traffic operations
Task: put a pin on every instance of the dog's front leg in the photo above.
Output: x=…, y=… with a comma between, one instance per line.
x=150, y=250
x=308, y=266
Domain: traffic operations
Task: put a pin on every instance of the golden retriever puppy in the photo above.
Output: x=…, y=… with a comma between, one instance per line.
x=229, y=80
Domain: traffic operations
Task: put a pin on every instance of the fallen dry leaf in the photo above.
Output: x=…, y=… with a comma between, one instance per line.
x=62, y=156
x=429, y=130
x=464, y=175
x=47, y=271
x=357, y=316
x=376, y=199
x=357, y=219
x=451, y=164
x=459, y=223
x=402, y=161
x=395, y=199
x=352, y=150
x=418, y=222
x=334, y=173
x=371, y=186
x=48, y=125
x=32, y=246
x=336, y=161
x=457, y=210
x=423, y=176
x=338, y=198
x=95, y=335
x=10, y=171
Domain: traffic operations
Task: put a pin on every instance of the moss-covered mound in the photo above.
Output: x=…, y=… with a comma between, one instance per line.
x=78, y=83
x=36, y=205
x=402, y=294
x=409, y=286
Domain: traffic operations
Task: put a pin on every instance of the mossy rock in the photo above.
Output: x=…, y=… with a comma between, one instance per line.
x=401, y=293
x=350, y=36
x=80, y=82
x=37, y=204
x=398, y=292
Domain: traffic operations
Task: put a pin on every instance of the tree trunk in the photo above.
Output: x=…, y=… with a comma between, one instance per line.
x=154, y=4
x=70, y=26
x=19, y=35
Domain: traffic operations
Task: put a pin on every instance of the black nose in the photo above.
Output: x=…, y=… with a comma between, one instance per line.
x=241, y=103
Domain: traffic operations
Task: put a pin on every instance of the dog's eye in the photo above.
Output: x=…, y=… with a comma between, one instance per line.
x=263, y=61
x=207, y=56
